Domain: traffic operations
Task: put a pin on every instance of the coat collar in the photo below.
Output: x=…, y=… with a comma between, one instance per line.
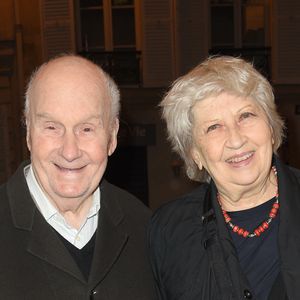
x=111, y=236
x=236, y=281
x=213, y=210
x=22, y=207
x=289, y=228
x=43, y=242
x=289, y=198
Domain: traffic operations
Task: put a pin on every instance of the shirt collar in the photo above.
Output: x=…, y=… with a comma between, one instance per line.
x=46, y=208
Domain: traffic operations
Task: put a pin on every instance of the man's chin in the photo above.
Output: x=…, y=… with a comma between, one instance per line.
x=70, y=192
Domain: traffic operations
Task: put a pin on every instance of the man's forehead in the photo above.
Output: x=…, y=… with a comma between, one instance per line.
x=70, y=66
x=63, y=75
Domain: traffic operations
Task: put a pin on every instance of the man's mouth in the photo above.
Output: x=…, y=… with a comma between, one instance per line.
x=68, y=169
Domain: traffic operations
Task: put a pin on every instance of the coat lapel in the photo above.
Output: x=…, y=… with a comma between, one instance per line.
x=289, y=235
x=42, y=240
x=46, y=245
x=111, y=236
x=238, y=278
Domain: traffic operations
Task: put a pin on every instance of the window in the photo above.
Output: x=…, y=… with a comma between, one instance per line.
x=123, y=13
x=222, y=25
x=108, y=25
x=92, y=25
x=238, y=23
x=109, y=33
x=253, y=18
x=241, y=28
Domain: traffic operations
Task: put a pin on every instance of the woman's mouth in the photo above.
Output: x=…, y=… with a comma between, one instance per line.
x=240, y=158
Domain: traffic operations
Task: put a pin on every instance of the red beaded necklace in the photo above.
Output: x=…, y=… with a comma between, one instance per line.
x=262, y=227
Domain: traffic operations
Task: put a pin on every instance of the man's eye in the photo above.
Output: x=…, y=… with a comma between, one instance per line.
x=50, y=127
x=87, y=129
x=212, y=127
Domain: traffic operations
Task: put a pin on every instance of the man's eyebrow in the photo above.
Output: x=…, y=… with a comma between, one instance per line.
x=44, y=116
x=94, y=117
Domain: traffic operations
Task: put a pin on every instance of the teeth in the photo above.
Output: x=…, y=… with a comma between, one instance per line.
x=239, y=159
x=69, y=169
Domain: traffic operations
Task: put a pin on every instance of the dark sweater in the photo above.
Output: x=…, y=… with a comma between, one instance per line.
x=84, y=256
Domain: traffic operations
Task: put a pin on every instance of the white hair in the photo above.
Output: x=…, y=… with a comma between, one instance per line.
x=111, y=86
x=214, y=76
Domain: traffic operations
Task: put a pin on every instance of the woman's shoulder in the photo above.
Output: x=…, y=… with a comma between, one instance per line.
x=184, y=207
x=287, y=171
x=295, y=171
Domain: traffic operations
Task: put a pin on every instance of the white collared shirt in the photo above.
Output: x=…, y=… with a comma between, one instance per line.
x=78, y=237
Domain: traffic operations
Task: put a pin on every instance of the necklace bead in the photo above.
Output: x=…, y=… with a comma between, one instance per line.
x=263, y=226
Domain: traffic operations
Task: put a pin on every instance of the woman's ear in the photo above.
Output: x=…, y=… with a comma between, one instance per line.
x=196, y=158
x=272, y=135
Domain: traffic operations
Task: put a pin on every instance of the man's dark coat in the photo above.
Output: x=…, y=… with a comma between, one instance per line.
x=193, y=256
x=35, y=265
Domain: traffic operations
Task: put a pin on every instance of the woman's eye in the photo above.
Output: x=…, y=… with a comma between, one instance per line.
x=246, y=115
x=212, y=127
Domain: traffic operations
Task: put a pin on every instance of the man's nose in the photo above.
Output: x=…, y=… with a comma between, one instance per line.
x=70, y=149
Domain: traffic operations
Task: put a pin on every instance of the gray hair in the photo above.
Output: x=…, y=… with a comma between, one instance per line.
x=214, y=76
x=111, y=86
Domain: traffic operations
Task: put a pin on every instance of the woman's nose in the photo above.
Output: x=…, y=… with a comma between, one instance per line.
x=236, y=139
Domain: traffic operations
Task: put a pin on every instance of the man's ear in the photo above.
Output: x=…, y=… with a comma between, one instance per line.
x=113, y=141
x=28, y=136
x=196, y=158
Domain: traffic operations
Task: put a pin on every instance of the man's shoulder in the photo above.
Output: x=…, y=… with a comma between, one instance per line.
x=15, y=184
x=3, y=192
x=124, y=200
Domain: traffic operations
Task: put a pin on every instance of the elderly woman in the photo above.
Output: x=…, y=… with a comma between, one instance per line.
x=237, y=236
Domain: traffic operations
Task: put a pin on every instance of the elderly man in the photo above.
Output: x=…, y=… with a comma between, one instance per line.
x=65, y=232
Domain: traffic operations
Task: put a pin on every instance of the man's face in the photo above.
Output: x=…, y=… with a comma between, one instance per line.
x=69, y=133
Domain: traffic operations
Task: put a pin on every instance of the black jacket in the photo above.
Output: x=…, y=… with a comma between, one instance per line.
x=192, y=253
x=35, y=264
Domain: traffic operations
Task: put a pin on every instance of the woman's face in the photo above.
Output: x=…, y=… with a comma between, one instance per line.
x=232, y=140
